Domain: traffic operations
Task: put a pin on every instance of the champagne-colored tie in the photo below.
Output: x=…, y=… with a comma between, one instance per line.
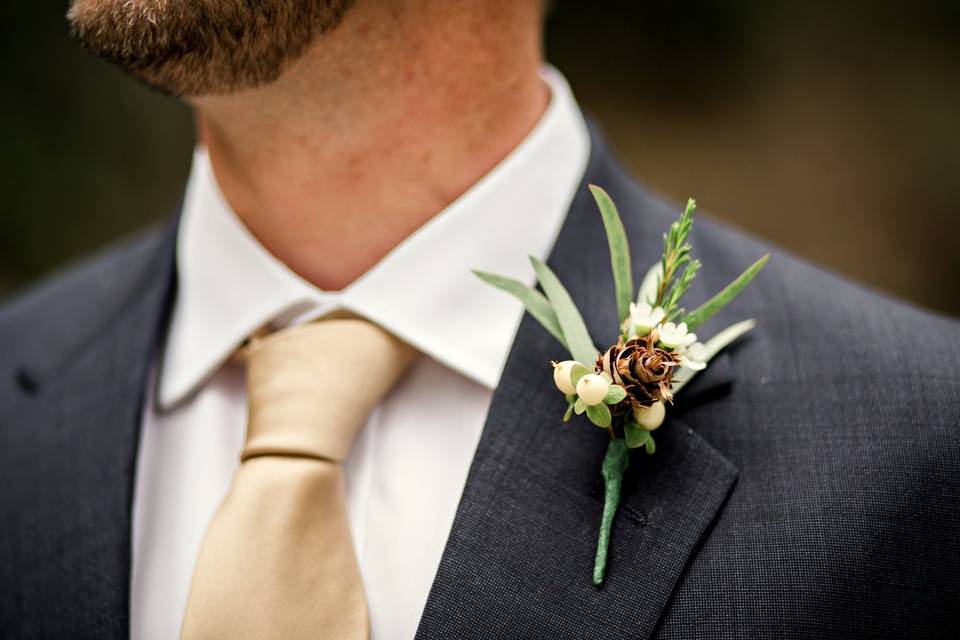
x=277, y=560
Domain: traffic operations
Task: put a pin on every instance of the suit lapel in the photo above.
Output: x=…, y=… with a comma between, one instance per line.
x=76, y=443
x=519, y=558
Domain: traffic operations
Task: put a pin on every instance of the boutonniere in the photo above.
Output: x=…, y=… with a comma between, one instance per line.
x=627, y=388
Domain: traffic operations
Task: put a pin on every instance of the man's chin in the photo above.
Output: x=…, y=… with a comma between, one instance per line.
x=213, y=47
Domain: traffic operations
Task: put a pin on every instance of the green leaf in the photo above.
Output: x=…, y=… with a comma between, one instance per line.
x=635, y=435
x=569, y=412
x=706, y=311
x=615, y=464
x=713, y=346
x=577, y=371
x=571, y=322
x=615, y=394
x=579, y=407
x=535, y=303
x=599, y=415
x=619, y=250
x=650, y=445
x=648, y=286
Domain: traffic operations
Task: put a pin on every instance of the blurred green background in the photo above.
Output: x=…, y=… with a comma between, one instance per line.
x=831, y=129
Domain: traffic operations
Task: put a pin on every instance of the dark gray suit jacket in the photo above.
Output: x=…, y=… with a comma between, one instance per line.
x=807, y=485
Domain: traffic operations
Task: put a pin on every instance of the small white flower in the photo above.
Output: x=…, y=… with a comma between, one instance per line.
x=561, y=376
x=675, y=336
x=643, y=318
x=650, y=418
x=592, y=389
x=694, y=357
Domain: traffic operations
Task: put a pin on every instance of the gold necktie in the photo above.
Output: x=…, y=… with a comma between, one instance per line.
x=277, y=560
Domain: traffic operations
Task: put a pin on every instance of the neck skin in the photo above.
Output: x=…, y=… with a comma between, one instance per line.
x=380, y=125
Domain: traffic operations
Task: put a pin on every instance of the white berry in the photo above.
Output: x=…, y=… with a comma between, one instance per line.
x=561, y=376
x=650, y=418
x=592, y=389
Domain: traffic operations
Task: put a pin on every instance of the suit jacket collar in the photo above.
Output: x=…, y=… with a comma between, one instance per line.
x=519, y=558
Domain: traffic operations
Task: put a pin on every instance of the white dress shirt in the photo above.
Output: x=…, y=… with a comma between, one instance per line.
x=406, y=471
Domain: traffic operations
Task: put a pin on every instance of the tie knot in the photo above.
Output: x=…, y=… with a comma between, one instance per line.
x=311, y=387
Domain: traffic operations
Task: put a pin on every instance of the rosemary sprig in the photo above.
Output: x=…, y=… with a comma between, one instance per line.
x=677, y=269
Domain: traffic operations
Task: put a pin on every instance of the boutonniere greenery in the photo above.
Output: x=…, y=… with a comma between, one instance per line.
x=626, y=388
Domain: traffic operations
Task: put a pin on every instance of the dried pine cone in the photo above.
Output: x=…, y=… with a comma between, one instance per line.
x=642, y=369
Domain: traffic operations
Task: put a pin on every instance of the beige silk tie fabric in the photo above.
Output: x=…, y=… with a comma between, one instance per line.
x=277, y=560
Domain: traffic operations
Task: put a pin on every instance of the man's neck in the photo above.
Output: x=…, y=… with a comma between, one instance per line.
x=380, y=125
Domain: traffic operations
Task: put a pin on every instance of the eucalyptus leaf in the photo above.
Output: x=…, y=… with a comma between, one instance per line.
x=648, y=286
x=615, y=394
x=577, y=371
x=706, y=311
x=535, y=302
x=571, y=322
x=599, y=415
x=619, y=250
x=712, y=347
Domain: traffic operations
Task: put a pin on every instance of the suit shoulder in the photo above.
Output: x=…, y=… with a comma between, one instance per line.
x=822, y=326
x=76, y=299
x=795, y=290
x=834, y=305
x=834, y=338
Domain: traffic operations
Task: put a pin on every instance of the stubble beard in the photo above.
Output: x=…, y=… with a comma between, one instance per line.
x=192, y=48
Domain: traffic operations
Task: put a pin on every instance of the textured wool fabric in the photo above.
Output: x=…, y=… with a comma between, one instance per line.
x=807, y=485
x=277, y=560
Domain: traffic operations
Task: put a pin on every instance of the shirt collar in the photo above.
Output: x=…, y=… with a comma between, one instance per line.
x=423, y=290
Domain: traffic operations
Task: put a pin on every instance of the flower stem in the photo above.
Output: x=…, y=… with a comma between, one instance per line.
x=615, y=464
